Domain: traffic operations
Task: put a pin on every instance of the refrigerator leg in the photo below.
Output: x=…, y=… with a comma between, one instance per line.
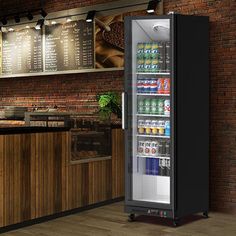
x=205, y=214
x=175, y=222
x=131, y=217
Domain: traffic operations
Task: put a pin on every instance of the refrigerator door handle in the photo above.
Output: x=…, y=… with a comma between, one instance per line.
x=124, y=110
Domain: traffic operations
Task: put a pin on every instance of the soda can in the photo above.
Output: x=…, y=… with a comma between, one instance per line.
x=141, y=106
x=167, y=107
x=167, y=162
x=154, y=102
x=147, y=65
x=141, y=125
x=141, y=146
x=154, y=148
x=139, y=86
x=147, y=50
x=147, y=148
x=146, y=86
x=155, y=65
x=167, y=128
x=140, y=65
x=153, y=86
x=140, y=50
x=154, y=127
x=167, y=148
x=160, y=86
x=147, y=106
x=148, y=124
x=166, y=89
x=160, y=107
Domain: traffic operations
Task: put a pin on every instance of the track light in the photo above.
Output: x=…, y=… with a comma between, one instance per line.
x=17, y=18
x=43, y=13
x=152, y=5
x=90, y=16
x=30, y=16
x=4, y=20
x=39, y=24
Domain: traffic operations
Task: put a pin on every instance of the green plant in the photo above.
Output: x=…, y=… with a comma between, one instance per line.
x=109, y=102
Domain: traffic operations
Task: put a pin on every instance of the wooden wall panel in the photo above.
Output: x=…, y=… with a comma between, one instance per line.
x=37, y=179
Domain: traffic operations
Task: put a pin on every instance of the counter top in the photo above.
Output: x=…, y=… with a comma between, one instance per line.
x=33, y=129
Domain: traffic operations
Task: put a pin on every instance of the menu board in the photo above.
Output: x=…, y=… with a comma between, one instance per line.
x=22, y=51
x=69, y=46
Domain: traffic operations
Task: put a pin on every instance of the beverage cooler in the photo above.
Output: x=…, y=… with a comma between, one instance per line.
x=165, y=116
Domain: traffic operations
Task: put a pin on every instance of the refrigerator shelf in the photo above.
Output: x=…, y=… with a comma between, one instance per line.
x=158, y=157
x=152, y=115
x=153, y=94
x=153, y=73
x=152, y=136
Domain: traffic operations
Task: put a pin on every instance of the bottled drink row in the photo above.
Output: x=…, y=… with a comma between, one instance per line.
x=158, y=166
x=154, y=127
x=153, y=57
x=157, y=106
x=154, y=148
x=154, y=86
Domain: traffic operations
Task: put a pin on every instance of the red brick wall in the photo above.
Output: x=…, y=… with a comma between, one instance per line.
x=74, y=90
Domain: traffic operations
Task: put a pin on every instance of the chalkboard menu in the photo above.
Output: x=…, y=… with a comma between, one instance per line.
x=69, y=46
x=22, y=51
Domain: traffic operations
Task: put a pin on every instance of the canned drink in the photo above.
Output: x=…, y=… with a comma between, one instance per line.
x=147, y=50
x=140, y=86
x=166, y=89
x=148, y=124
x=141, y=146
x=147, y=147
x=140, y=50
x=140, y=65
x=147, y=65
x=161, y=148
x=167, y=128
x=141, y=125
x=141, y=106
x=162, y=167
x=155, y=50
x=167, y=148
x=154, y=148
x=160, y=107
x=154, y=127
x=155, y=65
x=161, y=127
x=153, y=86
x=167, y=107
x=147, y=106
x=160, y=86
x=167, y=167
x=146, y=86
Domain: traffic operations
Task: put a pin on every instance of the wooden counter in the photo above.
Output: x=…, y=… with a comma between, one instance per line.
x=37, y=179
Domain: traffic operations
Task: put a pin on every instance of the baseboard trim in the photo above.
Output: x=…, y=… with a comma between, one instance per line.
x=57, y=215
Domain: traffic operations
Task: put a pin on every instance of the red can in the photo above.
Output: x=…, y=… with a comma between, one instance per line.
x=166, y=86
x=160, y=86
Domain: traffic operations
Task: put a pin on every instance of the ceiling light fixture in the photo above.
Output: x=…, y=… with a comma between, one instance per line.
x=39, y=24
x=90, y=16
x=152, y=5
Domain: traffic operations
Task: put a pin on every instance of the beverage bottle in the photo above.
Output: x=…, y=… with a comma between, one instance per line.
x=162, y=167
x=166, y=86
x=139, y=86
x=160, y=86
x=167, y=128
x=167, y=107
x=146, y=86
x=147, y=106
x=167, y=167
x=148, y=125
x=148, y=166
x=154, y=106
x=160, y=107
x=141, y=105
x=153, y=86
x=167, y=148
x=140, y=50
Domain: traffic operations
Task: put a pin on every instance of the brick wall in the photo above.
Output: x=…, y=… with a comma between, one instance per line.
x=74, y=90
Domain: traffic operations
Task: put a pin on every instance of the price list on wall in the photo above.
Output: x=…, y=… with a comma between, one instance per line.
x=22, y=51
x=69, y=46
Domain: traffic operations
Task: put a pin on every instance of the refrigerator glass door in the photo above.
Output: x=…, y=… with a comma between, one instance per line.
x=151, y=82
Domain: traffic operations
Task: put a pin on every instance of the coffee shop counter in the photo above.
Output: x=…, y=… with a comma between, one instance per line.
x=38, y=180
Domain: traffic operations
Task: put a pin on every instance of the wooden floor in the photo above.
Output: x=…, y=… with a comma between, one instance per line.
x=111, y=220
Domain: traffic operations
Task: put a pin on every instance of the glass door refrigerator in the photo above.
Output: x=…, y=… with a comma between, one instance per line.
x=165, y=115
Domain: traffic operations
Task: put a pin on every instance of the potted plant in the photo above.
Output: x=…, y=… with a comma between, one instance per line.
x=109, y=103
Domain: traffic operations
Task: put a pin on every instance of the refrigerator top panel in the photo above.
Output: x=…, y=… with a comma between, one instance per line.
x=153, y=30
